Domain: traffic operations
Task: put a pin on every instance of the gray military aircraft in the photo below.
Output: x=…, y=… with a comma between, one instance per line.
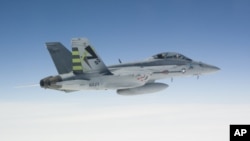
x=83, y=69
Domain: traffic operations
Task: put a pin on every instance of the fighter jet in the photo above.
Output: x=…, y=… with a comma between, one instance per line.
x=83, y=69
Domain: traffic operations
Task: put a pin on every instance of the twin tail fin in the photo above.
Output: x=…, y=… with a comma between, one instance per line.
x=85, y=59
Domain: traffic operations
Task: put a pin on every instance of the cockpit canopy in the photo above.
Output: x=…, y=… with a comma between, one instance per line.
x=171, y=55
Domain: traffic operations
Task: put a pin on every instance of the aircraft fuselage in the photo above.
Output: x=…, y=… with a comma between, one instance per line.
x=88, y=71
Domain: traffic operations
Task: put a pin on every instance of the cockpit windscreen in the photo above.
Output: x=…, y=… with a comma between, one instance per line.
x=169, y=55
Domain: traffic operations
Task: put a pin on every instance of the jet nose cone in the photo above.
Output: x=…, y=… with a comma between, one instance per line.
x=213, y=68
x=208, y=68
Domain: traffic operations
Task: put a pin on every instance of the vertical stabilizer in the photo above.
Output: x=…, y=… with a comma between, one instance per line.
x=85, y=59
x=61, y=57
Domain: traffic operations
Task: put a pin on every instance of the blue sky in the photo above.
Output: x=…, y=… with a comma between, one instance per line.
x=213, y=31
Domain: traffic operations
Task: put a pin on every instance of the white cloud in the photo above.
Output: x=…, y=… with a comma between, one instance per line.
x=173, y=122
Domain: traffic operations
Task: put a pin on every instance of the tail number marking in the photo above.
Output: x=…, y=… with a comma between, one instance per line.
x=92, y=56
